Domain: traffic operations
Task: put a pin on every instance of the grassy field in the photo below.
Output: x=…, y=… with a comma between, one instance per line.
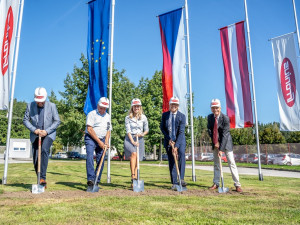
x=273, y=201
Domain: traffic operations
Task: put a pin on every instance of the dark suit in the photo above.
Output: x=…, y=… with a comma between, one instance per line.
x=180, y=143
x=225, y=140
x=50, y=123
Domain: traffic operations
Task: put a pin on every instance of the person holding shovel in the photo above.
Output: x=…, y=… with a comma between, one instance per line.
x=173, y=128
x=136, y=125
x=97, y=133
x=42, y=119
x=218, y=128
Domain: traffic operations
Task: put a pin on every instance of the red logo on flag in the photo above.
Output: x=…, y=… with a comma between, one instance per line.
x=8, y=31
x=288, y=82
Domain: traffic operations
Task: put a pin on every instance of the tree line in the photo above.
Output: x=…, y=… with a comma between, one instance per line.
x=70, y=107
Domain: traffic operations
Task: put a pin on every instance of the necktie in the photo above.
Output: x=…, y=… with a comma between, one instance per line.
x=215, y=134
x=173, y=127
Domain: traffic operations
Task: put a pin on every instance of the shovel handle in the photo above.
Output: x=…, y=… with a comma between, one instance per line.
x=100, y=164
x=138, y=158
x=39, y=159
x=176, y=164
x=221, y=169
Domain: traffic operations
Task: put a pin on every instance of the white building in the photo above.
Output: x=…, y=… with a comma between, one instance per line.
x=20, y=149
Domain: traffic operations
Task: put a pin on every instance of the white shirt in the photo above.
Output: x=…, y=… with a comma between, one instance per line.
x=135, y=126
x=100, y=123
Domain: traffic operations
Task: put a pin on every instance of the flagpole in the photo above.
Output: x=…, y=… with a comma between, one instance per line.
x=190, y=88
x=296, y=21
x=110, y=79
x=260, y=175
x=15, y=62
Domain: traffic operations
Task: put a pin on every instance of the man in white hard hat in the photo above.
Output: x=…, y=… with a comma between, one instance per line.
x=218, y=128
x=97, y=133
x=42, y=119
x=173, y=128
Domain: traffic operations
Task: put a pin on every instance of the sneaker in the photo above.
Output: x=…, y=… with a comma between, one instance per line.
x=90, y=183
x=183, y=183
x=43, y=182
x=173, y=187
x=213, y=187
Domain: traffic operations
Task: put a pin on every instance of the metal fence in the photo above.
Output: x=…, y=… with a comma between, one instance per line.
x=248, y=153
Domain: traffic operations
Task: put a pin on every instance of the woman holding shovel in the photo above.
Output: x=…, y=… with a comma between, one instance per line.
x=136, y=125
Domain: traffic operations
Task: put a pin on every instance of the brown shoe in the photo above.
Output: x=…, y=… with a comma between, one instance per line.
x=239, y=189
x=213, y=187
x=43, y=182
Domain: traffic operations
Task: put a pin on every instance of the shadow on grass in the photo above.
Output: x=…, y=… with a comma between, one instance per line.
x=114, y=185
x=22, y=185
x=74, y=185
x=62, y=174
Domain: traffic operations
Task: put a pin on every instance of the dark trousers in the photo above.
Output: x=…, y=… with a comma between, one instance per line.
x=46, y=144
x=91, y=146
x=181, y=163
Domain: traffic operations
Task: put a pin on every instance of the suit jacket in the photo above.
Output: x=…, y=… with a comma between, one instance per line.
x=51, y=119
x=225, y=139
x=180, y=122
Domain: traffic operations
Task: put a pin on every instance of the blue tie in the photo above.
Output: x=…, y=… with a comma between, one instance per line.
x=173, y=127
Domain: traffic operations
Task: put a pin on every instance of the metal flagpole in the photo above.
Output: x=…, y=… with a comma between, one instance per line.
x=296, y=21
x=260, y=175
x=110, y=78
x=15, y=61
x=190, y=87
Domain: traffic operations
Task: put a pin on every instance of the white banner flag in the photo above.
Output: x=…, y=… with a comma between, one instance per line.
x=9, y=10
x=285, y=60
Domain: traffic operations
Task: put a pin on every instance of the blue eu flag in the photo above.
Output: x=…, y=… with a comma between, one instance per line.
x=97, y=52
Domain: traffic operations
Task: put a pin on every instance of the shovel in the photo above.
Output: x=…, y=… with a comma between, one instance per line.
x=138, y=185
x=178, y=187
x=95, y=187
x=222, y=189
x=38, y=188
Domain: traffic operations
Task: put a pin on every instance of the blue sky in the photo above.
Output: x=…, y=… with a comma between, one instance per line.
x=54, y=35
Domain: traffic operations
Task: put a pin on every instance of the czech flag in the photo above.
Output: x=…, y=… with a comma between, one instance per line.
x=174, y=59
x=237, y=85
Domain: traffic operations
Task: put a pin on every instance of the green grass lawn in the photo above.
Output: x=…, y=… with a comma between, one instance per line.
x=272, y=201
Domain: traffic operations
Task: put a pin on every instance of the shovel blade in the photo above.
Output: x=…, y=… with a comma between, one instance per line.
x=93, y=188
x=179, y=188
x=223, y=189
x=37, y=189
x=138, y=185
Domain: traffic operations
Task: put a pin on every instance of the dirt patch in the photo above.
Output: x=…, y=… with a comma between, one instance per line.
x=114, y=193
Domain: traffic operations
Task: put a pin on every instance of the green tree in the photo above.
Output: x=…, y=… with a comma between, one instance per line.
x=270, y=134
x=242, y=136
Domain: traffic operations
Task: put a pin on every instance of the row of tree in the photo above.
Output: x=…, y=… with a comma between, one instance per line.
x=70, y=107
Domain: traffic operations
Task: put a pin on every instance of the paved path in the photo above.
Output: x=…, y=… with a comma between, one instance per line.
x=245, y=171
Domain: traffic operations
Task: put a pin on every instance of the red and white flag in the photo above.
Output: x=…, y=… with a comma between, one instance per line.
x=9, y=10
x=237, y=85
x=174, y=59
x=285, y=60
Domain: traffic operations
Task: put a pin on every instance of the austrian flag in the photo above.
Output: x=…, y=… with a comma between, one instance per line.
x=237, y=85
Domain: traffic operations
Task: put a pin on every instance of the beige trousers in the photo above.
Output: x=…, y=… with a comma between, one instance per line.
x=232, y=167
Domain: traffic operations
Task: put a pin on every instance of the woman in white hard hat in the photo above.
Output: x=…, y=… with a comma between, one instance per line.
x=136, y=125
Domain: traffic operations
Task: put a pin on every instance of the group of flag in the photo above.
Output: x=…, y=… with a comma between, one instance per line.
x=174, y=79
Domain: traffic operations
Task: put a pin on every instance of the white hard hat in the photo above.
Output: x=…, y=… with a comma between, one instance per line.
x=215, y=103
x=174, y=100
x=136, y=101
x=103, y=102
x=40, y=94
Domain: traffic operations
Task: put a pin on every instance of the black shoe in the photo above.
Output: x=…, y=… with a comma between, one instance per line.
x=183, y=183
x=90, y=183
